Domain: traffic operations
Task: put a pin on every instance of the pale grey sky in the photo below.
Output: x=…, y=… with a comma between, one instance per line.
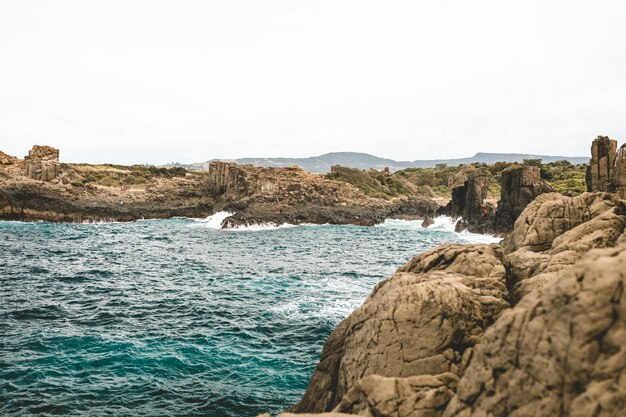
x=161, y=81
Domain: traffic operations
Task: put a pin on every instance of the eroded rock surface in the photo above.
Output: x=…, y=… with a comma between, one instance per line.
x=424, y=320
x=560, y=352
x=42, y=163
x=415, y=396
x=291, y=195
x=555, y=231
x=520, y=185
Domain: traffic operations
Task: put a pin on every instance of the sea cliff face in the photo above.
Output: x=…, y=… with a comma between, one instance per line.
x=535, y=326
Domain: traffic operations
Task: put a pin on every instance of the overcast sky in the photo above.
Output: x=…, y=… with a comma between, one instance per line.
x=162, y=81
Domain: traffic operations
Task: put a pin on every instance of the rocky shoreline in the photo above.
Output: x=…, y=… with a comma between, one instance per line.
x=533, y=326
x=39, y=187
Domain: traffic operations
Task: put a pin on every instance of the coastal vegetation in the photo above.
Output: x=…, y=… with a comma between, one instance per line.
x=439, y=181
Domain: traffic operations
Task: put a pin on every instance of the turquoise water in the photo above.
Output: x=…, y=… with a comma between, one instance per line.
x=172, y=317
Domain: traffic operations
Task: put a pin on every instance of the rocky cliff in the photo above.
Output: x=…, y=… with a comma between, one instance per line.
x=469, y=206
x=607, y=167
x=40, y=187
x=535, y=326
x=291, y=195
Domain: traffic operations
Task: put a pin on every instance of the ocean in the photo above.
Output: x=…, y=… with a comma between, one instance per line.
x=174, y=317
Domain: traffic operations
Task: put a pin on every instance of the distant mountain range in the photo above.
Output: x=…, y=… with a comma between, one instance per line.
x=322, y=163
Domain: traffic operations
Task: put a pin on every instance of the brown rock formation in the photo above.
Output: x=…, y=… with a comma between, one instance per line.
x=42, y=163
x=560, y=352
x=468, y=204
x=520, y=186
x=555, y=231
x=291, y=195
x=620, y=172
x=7, y=159
x=600, y=171
x=447, y=296
x=415, y=396
x=607, y=167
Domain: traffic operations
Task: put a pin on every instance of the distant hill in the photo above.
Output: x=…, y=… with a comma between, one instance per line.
x=322, y=163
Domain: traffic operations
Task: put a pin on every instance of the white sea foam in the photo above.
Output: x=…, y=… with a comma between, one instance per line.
x=440, y=224
x=259, y=227
x=214, y=221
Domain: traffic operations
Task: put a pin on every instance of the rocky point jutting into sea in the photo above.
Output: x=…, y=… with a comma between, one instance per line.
x=534, y=326
x=39, y=187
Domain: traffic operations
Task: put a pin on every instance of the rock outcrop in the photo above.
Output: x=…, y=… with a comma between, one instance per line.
x=468, y=204
x=520, y=186
x=289, y=195
x=425, y=320
x=560, y=352
x=620, y=172
x=600, y=171
x=607, y=167
x=417, y=346
x=555, y=231
x=7, y=159
x=42, y=163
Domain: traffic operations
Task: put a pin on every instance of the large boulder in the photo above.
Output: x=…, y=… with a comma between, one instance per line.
x=560, y=352
x=414, y=396
x=555, y=231
x=424, y=320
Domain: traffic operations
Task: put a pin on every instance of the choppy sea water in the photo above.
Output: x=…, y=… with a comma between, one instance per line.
x=174, y=317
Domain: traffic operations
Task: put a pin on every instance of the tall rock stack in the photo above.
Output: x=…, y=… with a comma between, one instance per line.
x=620, y=172
x=476, y=192
x=42, y=163
x=601, y=169
x=520, y=186
x=468, y=203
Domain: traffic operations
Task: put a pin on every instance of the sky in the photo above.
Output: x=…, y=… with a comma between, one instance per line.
x=188, y=81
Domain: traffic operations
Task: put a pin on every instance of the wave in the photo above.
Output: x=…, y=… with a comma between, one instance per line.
x=444, y=224
x=215, y=220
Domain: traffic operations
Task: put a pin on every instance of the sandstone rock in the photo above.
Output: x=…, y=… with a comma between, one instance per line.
x=7, y=159
x=520, y=186
x=559, y=352
x=424, y=320
x=290, y=195
x=600, y=171
x=415, y=396
x=620, y=172
x=468, y=204
x=555, y=231
x=42, y=163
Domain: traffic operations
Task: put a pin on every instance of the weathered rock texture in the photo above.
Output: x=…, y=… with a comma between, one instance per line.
x=607, y=167
x=468, y=204
x=42, y=163
x=620, y=172
x=520, y=186
x=600, y=171
x=425, y=320
x=414, y=396
x=7, y=159
x=555, y=231
x=560, y=352
x=290, y=195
